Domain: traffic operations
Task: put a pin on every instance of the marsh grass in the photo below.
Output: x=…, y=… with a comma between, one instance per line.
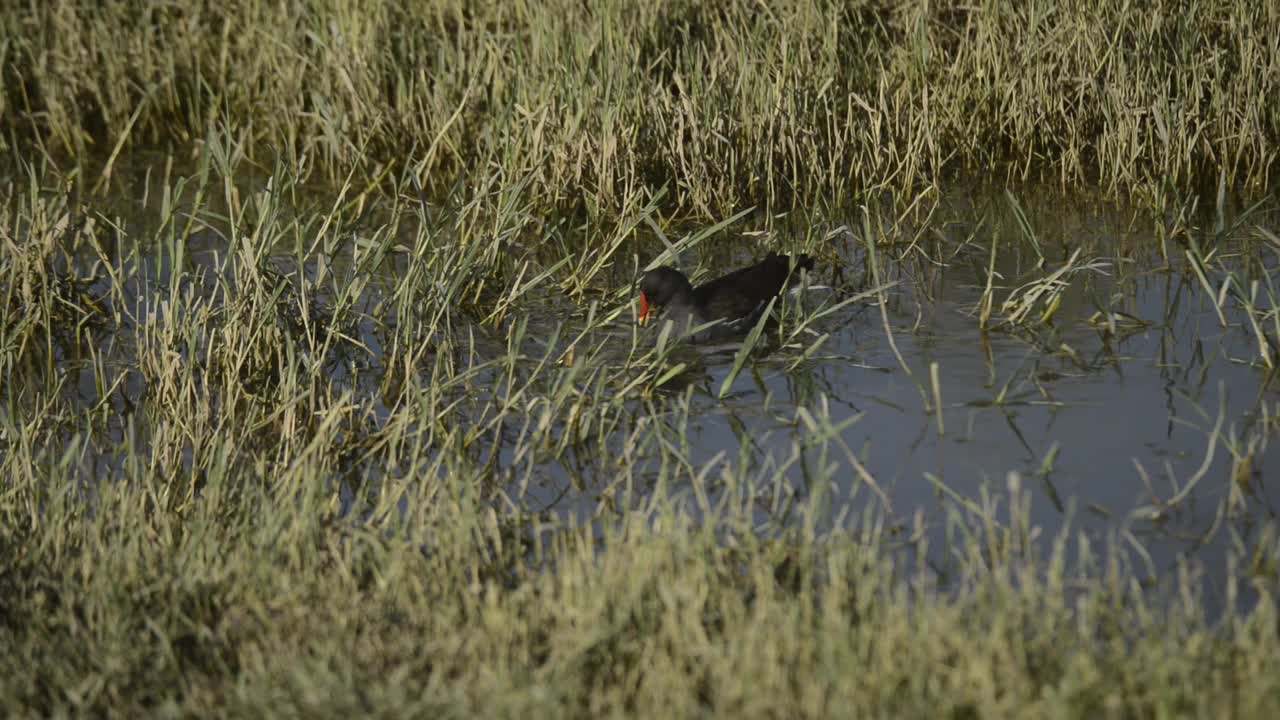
x=276, y=449
x=259, y=600
x=565, y=105
x=303, y=467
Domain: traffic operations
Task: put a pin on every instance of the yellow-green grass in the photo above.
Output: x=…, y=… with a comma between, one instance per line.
x=266, y=445
x=725, y=104
x=220, y=498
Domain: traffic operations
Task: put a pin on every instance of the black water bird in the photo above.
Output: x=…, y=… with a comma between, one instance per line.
x=734, y=301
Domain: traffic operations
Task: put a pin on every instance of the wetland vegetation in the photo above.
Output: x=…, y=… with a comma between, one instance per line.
x=321, y=389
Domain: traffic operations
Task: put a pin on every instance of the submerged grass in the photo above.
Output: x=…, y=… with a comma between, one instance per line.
x=404, y=450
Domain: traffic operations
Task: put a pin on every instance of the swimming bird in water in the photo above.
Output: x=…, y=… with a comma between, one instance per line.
x=735, y=300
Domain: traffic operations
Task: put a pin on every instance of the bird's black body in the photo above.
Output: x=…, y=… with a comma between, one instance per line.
x=735, y=300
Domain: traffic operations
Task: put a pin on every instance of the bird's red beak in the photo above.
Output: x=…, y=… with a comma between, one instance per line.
x=644, y=309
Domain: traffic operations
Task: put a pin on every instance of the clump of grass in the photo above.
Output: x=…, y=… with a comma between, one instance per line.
x=262, y=598
x=589, y=107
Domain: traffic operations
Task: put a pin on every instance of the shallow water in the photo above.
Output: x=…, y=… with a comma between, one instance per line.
x=1101, y=430
x=1127, y=420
